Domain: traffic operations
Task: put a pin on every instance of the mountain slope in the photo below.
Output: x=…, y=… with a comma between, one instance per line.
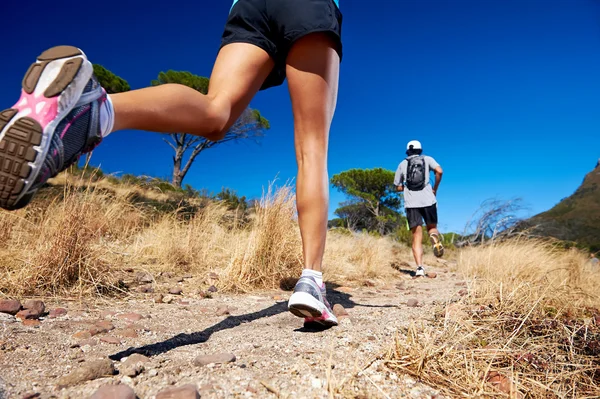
x=575, y=218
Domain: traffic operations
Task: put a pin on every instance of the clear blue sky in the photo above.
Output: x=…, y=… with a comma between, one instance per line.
x=505, y=94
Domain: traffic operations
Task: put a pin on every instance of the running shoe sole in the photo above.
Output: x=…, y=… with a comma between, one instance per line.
x=438, y=247
x=303, y=305
x=51, y=87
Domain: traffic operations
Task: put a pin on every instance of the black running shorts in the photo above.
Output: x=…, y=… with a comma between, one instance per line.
x=274, y=26
x=416, y=216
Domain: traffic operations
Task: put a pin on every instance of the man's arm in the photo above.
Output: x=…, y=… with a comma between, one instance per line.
x=438, y=178
x=399, y=178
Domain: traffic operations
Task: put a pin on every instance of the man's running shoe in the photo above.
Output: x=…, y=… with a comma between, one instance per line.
x=420, y=272
x=436, y=243
x=56, y=120
x=309, y=301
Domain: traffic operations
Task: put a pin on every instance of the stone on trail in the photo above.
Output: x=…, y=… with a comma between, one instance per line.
x=119, y=391
x=87, y=372
x=412, y=303
x=10, y=306
x=144, y=278
x=339, y=311
x=58, y=312
x=175, y=291
x=36, y=307
x=218, y=358
x=128, y=333
x=145, y=289
x=32, y=395
x=212, y=288
x=82, y=335
x=134, y=365
x=431, y=275
x=222, y=311
x=188, y=391
x=31, y=323
x=130, y=316
x=101, y=327
x=111, y=340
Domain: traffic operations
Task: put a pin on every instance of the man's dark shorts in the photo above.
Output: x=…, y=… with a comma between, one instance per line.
x=416, y=216
x=275, y=25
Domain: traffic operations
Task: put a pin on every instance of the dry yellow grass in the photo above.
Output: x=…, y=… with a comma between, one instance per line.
x=528, y=326
x=81, y=234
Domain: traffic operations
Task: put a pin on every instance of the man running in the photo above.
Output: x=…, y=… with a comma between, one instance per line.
x=412, y=177
x=63, y=113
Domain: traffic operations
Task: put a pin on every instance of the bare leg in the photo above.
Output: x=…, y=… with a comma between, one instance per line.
x=432, y=229
x=313, y=73
x=417, y=244
x=238, y=73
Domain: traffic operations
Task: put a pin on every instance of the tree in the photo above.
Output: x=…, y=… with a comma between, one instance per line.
x=250, y=125
x=111, y=82
x=372, y=189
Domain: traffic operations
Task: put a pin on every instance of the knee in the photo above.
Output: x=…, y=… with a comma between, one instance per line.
x=215, y=124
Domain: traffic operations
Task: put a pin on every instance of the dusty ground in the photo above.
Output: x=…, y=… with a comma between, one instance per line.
x=271, y=347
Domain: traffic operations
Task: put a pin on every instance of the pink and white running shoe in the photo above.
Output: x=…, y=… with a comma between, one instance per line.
x=310, y=302
x=56, y=120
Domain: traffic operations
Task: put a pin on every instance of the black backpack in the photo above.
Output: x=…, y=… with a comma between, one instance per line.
x=415, y=173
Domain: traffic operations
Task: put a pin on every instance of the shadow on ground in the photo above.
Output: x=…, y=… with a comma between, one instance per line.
x=334, y=297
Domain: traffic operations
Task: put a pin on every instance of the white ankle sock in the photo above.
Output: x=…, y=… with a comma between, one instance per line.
x=318, y=276
x=107, y=117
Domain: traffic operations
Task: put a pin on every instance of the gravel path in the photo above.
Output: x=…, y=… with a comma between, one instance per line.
x=274, y=355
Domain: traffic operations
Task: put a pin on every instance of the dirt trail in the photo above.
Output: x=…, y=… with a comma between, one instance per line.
x=275, y=355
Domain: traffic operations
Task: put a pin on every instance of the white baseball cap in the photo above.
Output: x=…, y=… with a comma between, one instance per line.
x=414, y=145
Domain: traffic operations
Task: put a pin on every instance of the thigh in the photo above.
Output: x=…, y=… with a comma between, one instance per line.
x=313, y=72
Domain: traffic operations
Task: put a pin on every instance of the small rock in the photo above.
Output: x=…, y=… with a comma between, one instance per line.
x=339, y=311
x=412, y=303
x=158, y=298
x=87, y=372
x=188, y=391
x=35, y=306
x=213, y=276
x=134, y=365
x=32, y=395
x=144, y=278
x=431, y=275
x=463, y=292
x=222, y=311
x=128, y=333
x=89, y=342
x=371, y=338
x=184, y=303
x=401, y=285
x=101, y=327
x=58, y=312
x=111, y=340
x=10, y=306
x=218, y=358
x=212, y=288
x=82, y=335
x=278, y=297
x=175, y=291
x=31, y=323
x=167, y=274
x=130, y=316
x=119, y=391
x=152, y=373
x=168, y=299
x=145, y=289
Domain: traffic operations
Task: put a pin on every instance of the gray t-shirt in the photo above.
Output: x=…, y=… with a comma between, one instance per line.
x=417, y=199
